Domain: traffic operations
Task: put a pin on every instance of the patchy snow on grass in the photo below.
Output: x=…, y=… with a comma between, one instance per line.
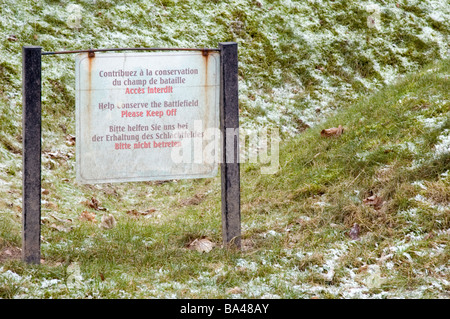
x=432, y=122
x=298, y=61
x=443, y=146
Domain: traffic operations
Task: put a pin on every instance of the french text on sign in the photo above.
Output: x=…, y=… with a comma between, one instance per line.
x=134, y=109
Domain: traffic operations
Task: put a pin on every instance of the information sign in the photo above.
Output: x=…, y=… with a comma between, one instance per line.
x=147, y=116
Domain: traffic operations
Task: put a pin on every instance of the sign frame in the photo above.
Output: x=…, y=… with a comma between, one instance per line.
x=164, y=109
x=32, y=148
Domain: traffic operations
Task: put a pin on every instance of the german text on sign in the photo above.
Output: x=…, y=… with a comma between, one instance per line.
x=147, y=116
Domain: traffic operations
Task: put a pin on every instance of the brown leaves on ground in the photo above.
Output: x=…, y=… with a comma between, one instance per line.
x=12, y=38
x=375, y=201
x=50, y=205
x=61, y=228
x=58, y=155
x=354, y=232
x=332, y=132
x=88, y=216
x=61, y=225
x=136, y=214
x=108, y=222
x=234, y=291
x=202, y=245
x=301, y=126
x=70, y=140
x=194, y=200
x=10, y=253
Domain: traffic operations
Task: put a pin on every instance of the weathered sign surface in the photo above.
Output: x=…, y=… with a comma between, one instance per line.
x=147, y=116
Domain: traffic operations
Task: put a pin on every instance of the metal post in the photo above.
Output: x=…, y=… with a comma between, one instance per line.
x=229, y=126
x=31, y=180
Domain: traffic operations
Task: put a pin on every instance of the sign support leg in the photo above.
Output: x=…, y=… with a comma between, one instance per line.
x=229, y=126
x=31, y=137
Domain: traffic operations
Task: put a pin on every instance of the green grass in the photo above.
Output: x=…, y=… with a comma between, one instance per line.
x=302, y=68
x=320, y=55
x=294, y=227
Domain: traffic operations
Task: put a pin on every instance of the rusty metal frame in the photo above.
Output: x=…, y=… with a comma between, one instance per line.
x=92, y=51
x=31, y=181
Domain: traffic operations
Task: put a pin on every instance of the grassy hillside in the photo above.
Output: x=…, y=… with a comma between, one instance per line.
x=299, y=60
x=296, y=226
x=304, y=66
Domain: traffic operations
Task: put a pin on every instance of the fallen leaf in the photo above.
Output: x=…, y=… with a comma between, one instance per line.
x=50, y=205
x=374, y=200
x=61, y=228
x=70, y=140
x=62, y=220
x=354, y=232
x=160, y=182
x=45, y=191
x=57, y=155
x=234, y=291
x=87, y=216
x=133, y=212
x=150, y=211
x=194, y=200
x=136, y=213
x=108, y=222
x=94, y=204
x=334, y=131
x=202, y=245
x=9, y=253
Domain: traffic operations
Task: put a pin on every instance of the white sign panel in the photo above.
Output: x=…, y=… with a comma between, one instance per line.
x=147, y=116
